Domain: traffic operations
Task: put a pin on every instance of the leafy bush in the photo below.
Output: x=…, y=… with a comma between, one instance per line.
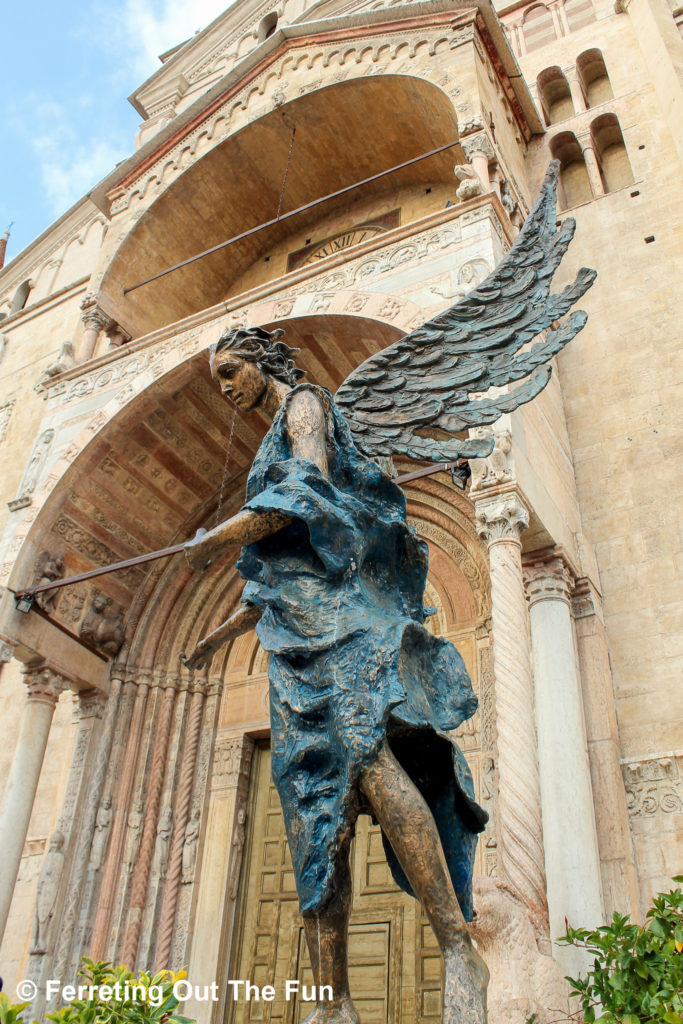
x=145, y=999
x=637, y=975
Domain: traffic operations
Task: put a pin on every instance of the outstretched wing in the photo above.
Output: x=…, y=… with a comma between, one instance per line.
x=408, y=398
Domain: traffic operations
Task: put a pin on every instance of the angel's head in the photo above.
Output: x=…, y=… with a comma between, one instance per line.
x=245, y=358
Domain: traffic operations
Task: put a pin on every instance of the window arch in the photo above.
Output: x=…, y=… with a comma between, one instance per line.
x=267, y=26
x=593, y=77
x=538, y=28
x=21, y=296
x=574, y=187
x=555, y=96
x=610, y=150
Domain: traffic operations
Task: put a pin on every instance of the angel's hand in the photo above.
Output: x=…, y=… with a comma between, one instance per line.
x=201, y=656
x=195, y=551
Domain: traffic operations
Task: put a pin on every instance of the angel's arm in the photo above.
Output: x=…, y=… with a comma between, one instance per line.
x=241, y=621
x=306, y=427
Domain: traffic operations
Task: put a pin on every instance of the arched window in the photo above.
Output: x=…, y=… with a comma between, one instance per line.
x=555, y=96
x=610, y=150
x=579, y=13
x=267, y=26
x=594, y=79
x=21, y=297
x=538, y=28
x=575, y=185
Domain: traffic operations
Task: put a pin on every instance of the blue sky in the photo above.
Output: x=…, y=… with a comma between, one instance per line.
x=64, y=116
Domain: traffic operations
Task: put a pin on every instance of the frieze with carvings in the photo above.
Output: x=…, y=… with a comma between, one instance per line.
x=83, y=542
x=654, y=786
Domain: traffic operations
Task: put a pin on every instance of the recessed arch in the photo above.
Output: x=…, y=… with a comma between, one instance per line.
x=233, y=188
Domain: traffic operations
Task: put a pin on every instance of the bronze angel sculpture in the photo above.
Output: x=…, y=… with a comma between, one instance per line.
x=363, y=697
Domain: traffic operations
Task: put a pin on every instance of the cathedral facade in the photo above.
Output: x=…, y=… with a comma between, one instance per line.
x=139, y=823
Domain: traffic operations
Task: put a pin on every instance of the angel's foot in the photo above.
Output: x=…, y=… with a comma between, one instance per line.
x=466, y=979
x=337, y=1012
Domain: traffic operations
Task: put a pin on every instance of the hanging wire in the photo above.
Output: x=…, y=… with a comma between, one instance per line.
x=225, y=469
x=284, y=180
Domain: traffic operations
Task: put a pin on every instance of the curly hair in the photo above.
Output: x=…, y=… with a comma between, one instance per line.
x=262, y=347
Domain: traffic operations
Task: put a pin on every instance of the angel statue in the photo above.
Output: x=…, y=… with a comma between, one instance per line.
x=363, y=697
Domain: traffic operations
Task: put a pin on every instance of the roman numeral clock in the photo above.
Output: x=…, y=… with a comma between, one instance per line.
x=320, y=248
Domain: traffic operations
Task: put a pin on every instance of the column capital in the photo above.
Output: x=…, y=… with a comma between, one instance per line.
x=92, y=315
x=44, y=684
x=501, y=518
x=478, y=143
x=548, y=576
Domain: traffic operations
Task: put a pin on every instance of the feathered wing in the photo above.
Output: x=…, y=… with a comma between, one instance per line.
x=424, y=382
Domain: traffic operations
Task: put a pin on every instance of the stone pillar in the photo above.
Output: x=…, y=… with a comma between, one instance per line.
x=569, y=833
x=578, y=99
x=94, y=321
x=44, y=688
x=478, y=150
x=592, y=165
x=501, y=519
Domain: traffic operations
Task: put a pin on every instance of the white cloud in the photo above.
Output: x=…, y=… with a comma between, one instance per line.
x=148, y=28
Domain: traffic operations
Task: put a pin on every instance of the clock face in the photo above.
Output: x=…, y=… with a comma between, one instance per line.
x=314, y=251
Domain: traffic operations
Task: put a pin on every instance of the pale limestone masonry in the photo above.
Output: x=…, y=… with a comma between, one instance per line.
x=123, y=452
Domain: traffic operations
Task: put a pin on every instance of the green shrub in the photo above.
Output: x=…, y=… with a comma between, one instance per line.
x=131, y=1000
x=637, y=974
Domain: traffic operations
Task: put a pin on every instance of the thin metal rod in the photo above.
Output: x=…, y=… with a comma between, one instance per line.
x=292, y=213
x=152, y=556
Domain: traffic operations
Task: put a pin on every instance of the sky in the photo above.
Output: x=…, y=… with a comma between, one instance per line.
x=65, y=121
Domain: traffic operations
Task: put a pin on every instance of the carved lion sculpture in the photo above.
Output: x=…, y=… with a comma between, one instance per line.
x=523, y=981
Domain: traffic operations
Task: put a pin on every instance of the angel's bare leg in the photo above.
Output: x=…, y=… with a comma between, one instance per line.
x=241, y=621
x=410, y=827
x=327, y=940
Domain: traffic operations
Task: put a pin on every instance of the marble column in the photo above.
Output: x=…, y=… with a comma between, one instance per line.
x=569, y=832
x=592, y=165
x=479, y=151
x=578, y=99
x=44, y=688
x=94, y=320
x=501, y=519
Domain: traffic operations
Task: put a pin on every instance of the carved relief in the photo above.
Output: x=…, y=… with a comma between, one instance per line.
x=231, y=759
x=48, y=888
x=33, y=471
x=498, y=467
x=163, y=843
x=654, y=787
x=190, y=846
x=49, y=567
x=103, y=820
x=103, y=625
x=237, y=849
x=5, y=414
x=83, y=542
x=524, y=983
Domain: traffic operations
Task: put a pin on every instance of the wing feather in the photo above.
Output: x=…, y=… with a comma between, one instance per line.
x=437, y=377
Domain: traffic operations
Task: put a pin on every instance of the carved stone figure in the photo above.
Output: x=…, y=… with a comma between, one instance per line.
x=103, y=820
x=65, y=360
x=163, y=843
x=134, y=832
x=363, y=698
x=33, y=471
x=470, y=183
x=103, y=625
x=523, y=981
x=48, y=887
x=190, y=846
x=48, y=568
x=496, y=468
x=238, y=839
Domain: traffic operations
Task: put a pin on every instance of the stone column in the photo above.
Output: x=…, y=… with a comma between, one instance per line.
x=478, y=150
x=569, y=833
x=501, y=519
x=94, y=320
x=592, y=165
x=44, y=688
x=578, y=99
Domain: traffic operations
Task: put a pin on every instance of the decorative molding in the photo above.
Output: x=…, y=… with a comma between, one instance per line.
x=231, y=761
x=654, y=785
x=502, y=518
x=479, y=143
x=44, y=683
x=548, y=579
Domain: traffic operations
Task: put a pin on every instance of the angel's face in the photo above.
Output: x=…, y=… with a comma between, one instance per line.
x=243, y=382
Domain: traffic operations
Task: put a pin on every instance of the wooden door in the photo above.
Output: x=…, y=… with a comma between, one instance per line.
x=395, y=965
